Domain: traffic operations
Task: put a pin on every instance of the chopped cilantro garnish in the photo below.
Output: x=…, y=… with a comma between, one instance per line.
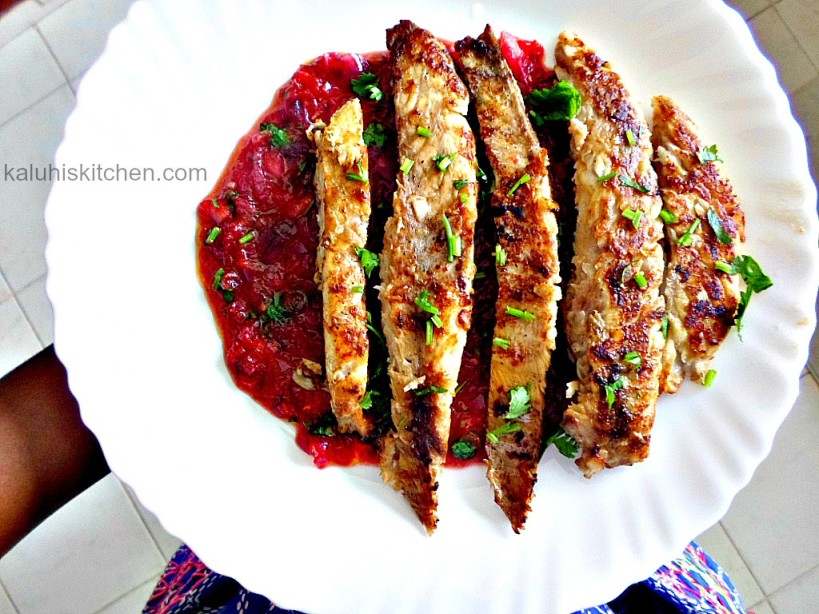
x=278, y=137
x=227, y=294
x=430, y=390
x=464, y=449
x=367, y=86
x=559, y=103
x=378, y=334
x=629, y=182
x=357, y=289
x=664, y=327
x=632, y=140
x=369, y=260
x=716, y=225
x=276, y=311
x=755, y=280
x=360, y=175
x=709, y=154
x=565, y=443
x=709, y=378
x=634, y=359
x=504, y=429
x=369, y=397
x=525, y=178
x=375, y=134
x=719, y=265
x=460, y=184
x=519, y=402
x=611, y=390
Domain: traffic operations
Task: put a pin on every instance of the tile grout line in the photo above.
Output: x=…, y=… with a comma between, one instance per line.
x=791, y=581
x=36, y=27
x=35, y=103
x=8, y=597
x=25, y=313
x=141, y=518
x=742, y=558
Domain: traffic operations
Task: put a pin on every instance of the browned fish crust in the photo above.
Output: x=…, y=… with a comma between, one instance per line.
x=415, y=263
x=343, y=212
x=702, y=301
x=614, y=309
x=528, y=279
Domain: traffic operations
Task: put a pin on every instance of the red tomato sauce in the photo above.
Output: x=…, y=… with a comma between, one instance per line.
x=257, y=237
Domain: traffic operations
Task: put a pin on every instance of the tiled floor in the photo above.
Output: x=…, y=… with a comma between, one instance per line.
x=103, y=551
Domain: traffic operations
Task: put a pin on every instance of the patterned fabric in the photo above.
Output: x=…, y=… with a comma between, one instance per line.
x=691, y=584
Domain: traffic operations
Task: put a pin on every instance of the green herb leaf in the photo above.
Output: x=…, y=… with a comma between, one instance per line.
x=611, y=390
x=227, y=294
x=519, y=402
x=424, y=132
x=406, y=165
x=360, y=175
x=378, y=334
x=325, y=425
x=634, y=216
x=430, y=390
x=453, y=241
x=716, y=225
x=500, y=255
x=559, y=103
x=367, y=86
x=424, y=303
x=565, y=443
x=429, y=332
x=606, y=177
x=709, y=154
x=502, y=343
x=504, y=429
x=247, y=238
x=276, y=311
x=709, y=378
x=688, y=238
x=369, y=260
x=640, y=280
x=632, y=140
x=519, y=313
x=369, y=396
x=667, y=216
x=375, y=134
x=464, y=449
x=443, y=162
x=719, y=265
x=524, y=179
x=629, y=182
x=460, y=184
x=634, y=359
x=214, y=232
x=752, y=274
x=357, y=289
x=278, y=137
x=664, y=327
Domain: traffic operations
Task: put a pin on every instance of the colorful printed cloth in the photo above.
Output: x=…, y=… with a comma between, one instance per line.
x=691, y=584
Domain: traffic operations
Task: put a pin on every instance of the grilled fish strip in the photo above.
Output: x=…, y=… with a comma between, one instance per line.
x=701, y=300
x=416, y=268
x=614, y=309
x=529, y=279
x=343, y=196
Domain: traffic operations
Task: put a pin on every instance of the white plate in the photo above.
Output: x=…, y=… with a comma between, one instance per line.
x=178, y=84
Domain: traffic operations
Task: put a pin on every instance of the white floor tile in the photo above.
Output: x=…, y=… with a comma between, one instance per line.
x=802, y=17
x=749, y=8
x=168, y=544
x=780, y=45
x=763, y=607
x=31, y=138
x=6, y=607
x=717, y=543
x=37, y=307
x=82, y=558
x=773, y=522
x=800, y=596
x=133, y=601
x=18, y=342
x=29, y=86
x=78, y=30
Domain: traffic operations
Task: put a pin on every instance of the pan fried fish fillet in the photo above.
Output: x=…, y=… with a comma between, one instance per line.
x=614, y=309
x=419, y=281
x=528, y=279
x=701, y=300
x=344, y=211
